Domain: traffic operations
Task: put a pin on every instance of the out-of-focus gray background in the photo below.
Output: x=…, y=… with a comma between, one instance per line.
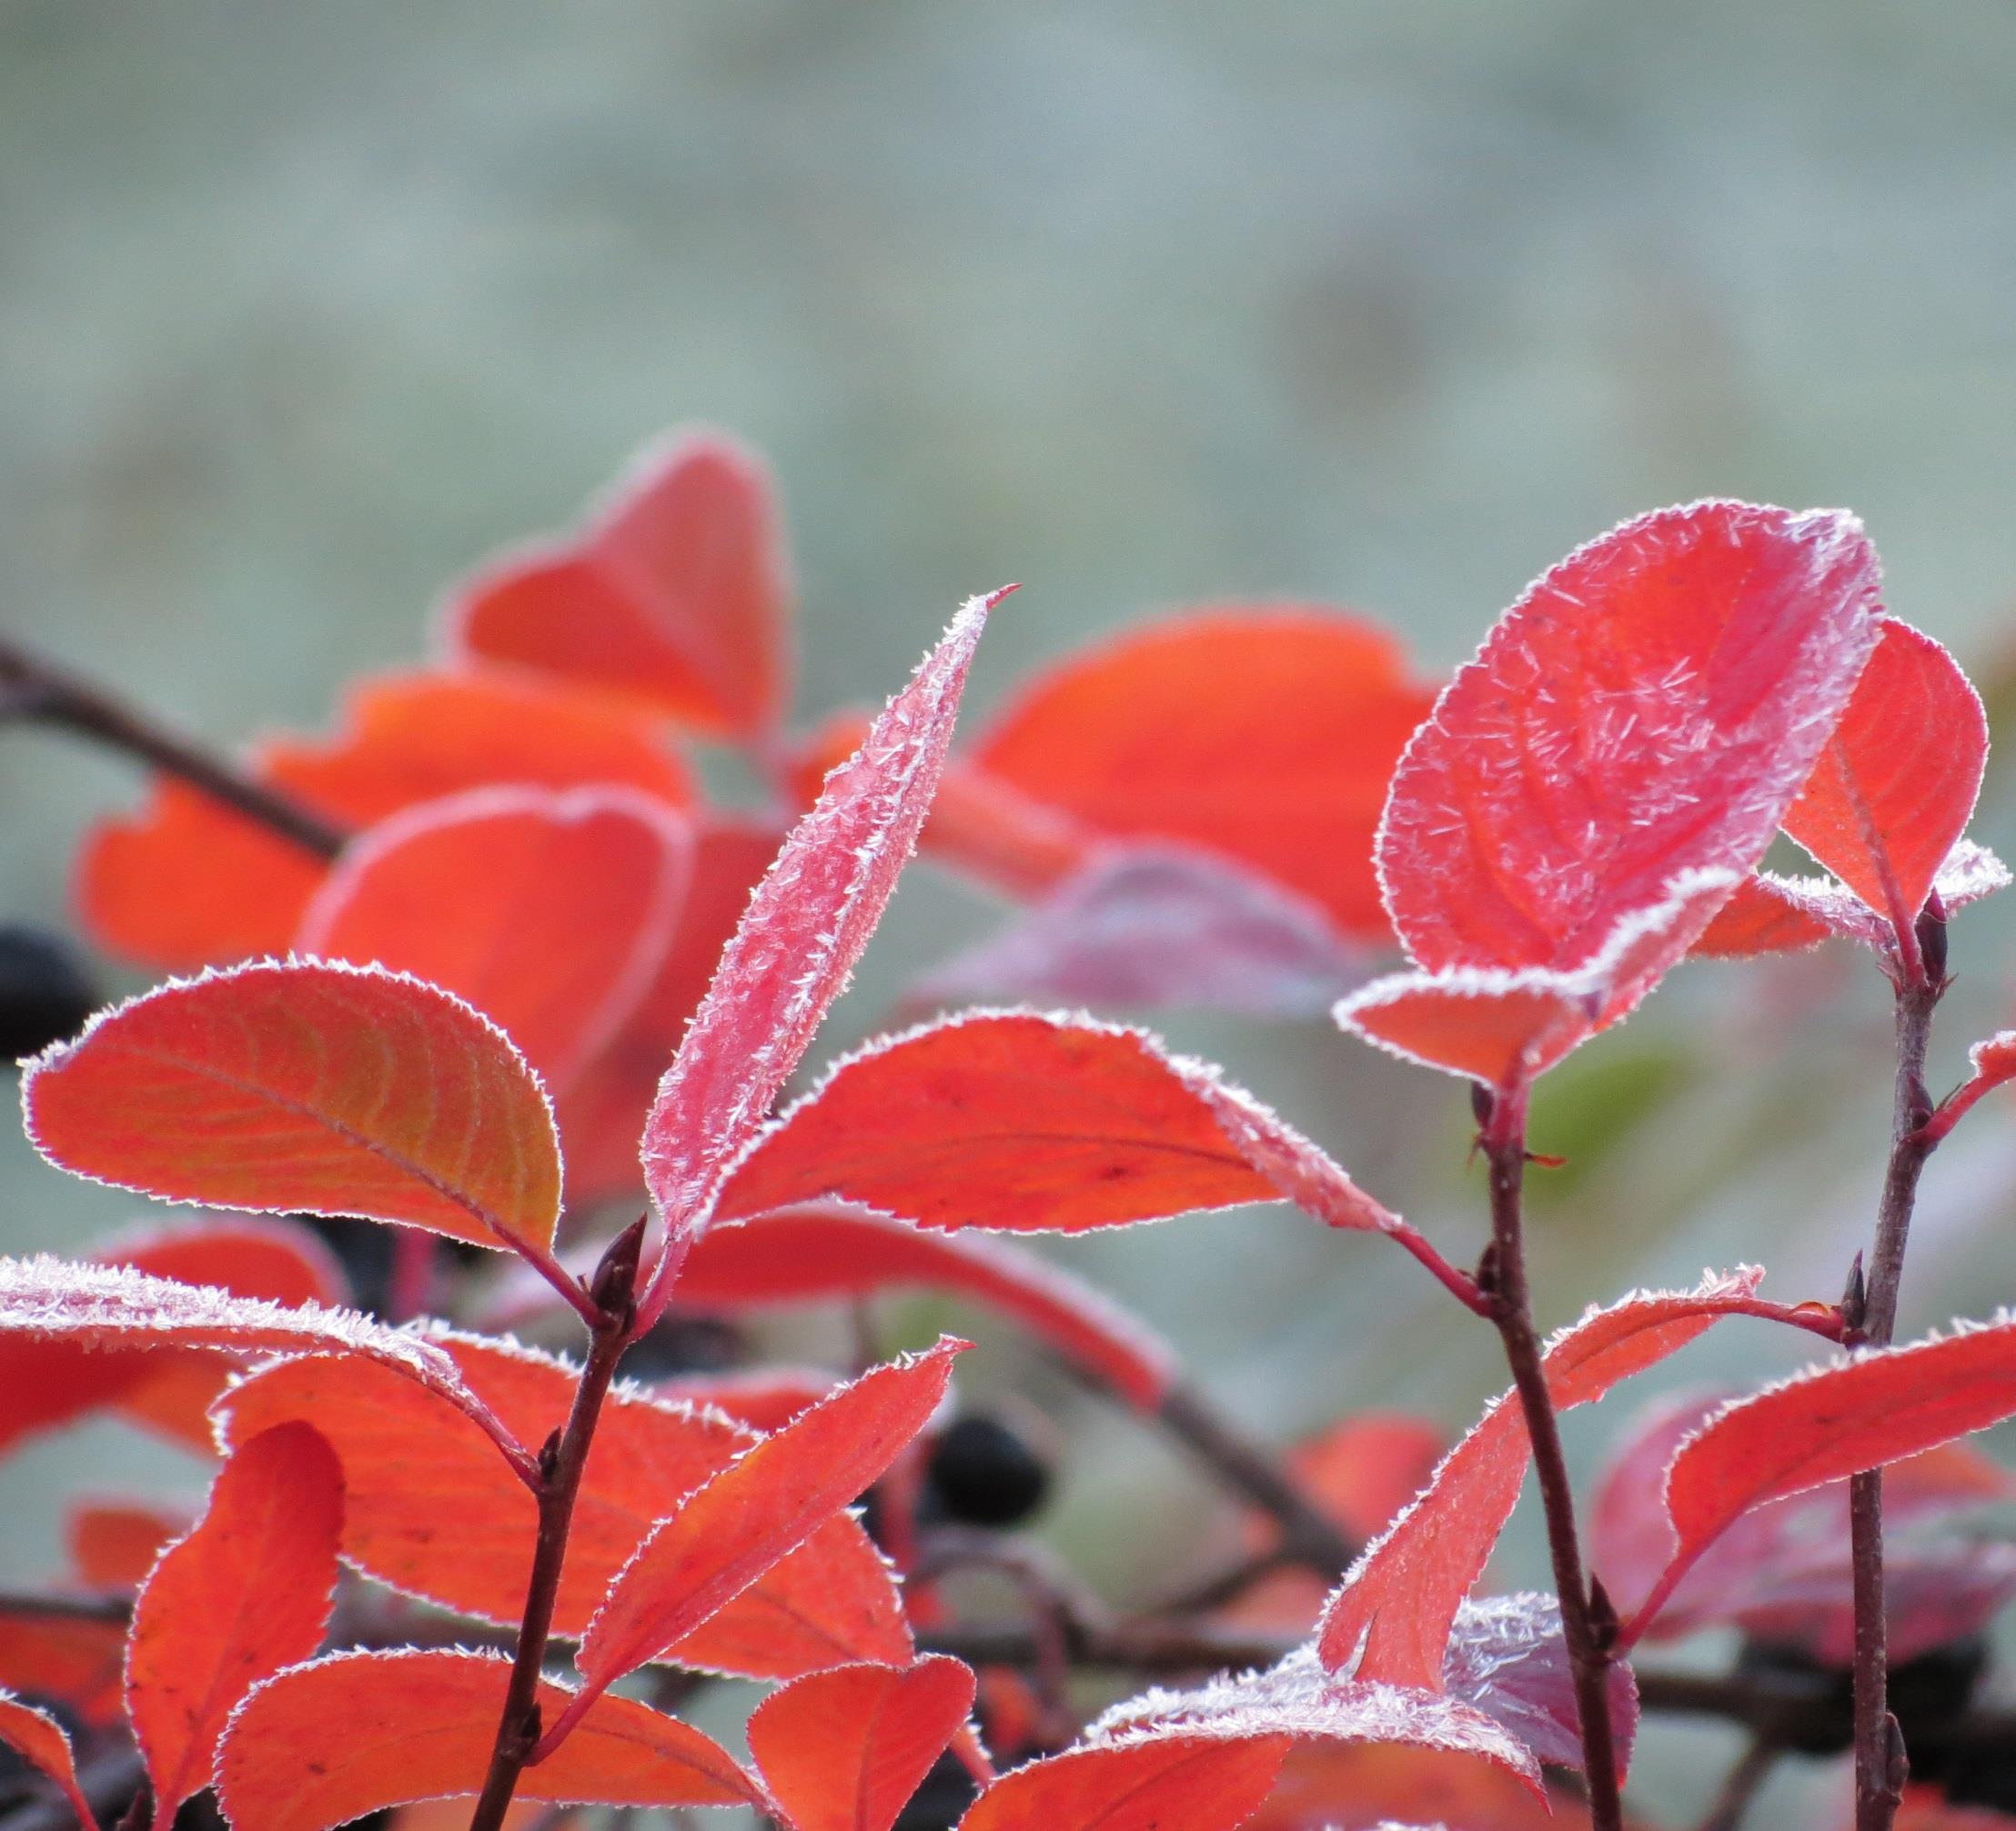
x=305, y=307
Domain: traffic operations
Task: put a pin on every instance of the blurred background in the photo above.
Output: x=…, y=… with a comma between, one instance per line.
x=306, y=308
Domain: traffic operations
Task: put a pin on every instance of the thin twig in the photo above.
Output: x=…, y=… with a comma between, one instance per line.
x=1588, y=1624
x=1881, y=1763
x=1740, y=1787
x=35, y=691
x=560, y=1466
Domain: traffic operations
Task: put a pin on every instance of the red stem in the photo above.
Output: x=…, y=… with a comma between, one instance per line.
x=1587, y=1624
x=561, y=1463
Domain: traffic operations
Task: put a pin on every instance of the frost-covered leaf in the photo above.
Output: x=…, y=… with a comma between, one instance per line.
x=825, y=1251
x=1148, y=925
x=550, y=911
x=1175, y=1783
x=798, y=942
x=408, y=1464
x=1649, y=707
x=1507, y=1658
x=1391, y=1618
x=337, y=1738
x=308, y=1085
x=758, y=1509
x=40, y=1740
x=1879, y=1407
x=247, y=1591
x=100, y=1307
x=1895, y=786
x=1506, y=1026
x=1266, y=733
x=1765, y=914
x=678, y=591
x=186, y=882
x=843, y=1750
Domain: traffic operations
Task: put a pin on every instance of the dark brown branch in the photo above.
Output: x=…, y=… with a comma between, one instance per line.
x=34, y=690
x=1588, y=1624
x=1881, y=1762
x=560, y=1466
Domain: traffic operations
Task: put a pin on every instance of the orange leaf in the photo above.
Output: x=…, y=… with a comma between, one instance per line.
x=113, y=1545
x=325, y=1743
x=800, y=938
x=758, y=1509
x=1004, y=1119
x=1893, y=791
x=1760, y=917
x=1171, y=1784
x=39, y=1740
x=677, y=592
x=308, y=1085
x=822, y=1251
x=1266, y=733
x=550, y=911
x=408, y=1464
x=247, y=1591
x=843, y=1750
x=185, y=883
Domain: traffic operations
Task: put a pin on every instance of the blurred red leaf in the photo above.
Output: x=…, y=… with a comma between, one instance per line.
x=603, y=1112
x=308, y=1085
x=247, y=1591
x=1389, y=1783
x=1266, y=733
x=1172, y=1784
x=80, y=1663
x=1391, y=1619
x=1764, y=914
x=550, y=911
x=843, y=1750
x=798, y=941
x=1005, y=1120
x=113, y=1544
x=758, y=1509
x=825, y=1251
x=325, y=1743
x=183, y=882
x=763, y=1398
x=677, y=592
x=1649, y=707
x=408, y=1465
x=39, y=1740
x=1894, y=787
x=1830, y=1422
x=1147, y=925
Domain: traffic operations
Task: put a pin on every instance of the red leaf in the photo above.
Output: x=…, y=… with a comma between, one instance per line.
x=408, y=1465
x=39, y=1740
x=1506, y=1027
x=1192, y=1782
x=1763, y=915
x=1397, y=1788
x=1830, y=1422
x=1896, y=784
x=804, y=929
x=73, y=1662
x=184, y=882
x=1146, y=925
x=247, y=1591
x=1994, y=1062
x=550, y=911
x=95, y=1308
x=308, y=1085
x=1391, y=1619
x=1650, y=707
x=1003, y=1119
x=1268, y=734
x=677, y=592
x=813, y=1252
x=603, y=1112
x=113, y=1544
x=843, y=1750
x=325, y=1743
x=760, y=1508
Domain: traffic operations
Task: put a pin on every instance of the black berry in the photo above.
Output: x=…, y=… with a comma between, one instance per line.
x=45, y=996
x=982, y=1473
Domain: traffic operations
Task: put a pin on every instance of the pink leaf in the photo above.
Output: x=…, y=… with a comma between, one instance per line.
x=804, y=929
x=1649, y=708
x=1507, y=1658
x=550, y=911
